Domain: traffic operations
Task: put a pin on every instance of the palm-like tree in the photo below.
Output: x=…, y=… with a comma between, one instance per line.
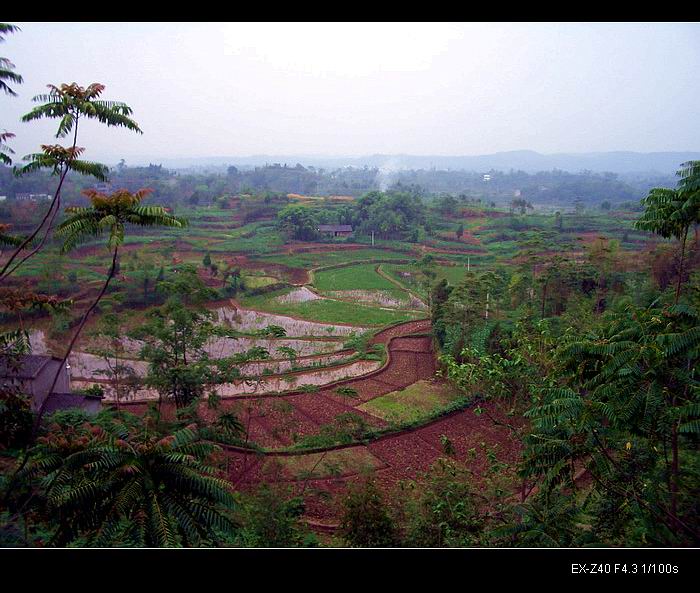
x=108, y=214
x=69, y=103
x=5, y=151
x=121, y=489
x=636, y=379
x=671, y=212
x=6, y=73
x=7, y=67
x=56, y=158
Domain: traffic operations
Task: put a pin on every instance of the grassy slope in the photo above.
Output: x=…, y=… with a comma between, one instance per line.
x=411, y=404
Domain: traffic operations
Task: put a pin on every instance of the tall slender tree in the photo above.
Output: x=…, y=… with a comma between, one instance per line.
x=7, y=73
x=7, y=67
x=672, y=212
x=108, y=214
x=69, y=103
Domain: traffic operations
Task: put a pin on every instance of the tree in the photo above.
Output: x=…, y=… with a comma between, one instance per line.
x=447, y=205
x=70, y=103
x=289, y=353
x=556, y=273
x=6, y=73
x=521, y=204
x=118, y=487
x=112, y=214
x=7, y=67
x=460, y=231
x=439, y=296
x=236, y=282
x=298, y=222
x=366, y=521
x=558, y=222
x=175, y=336
x=671, y=213
x=271, y=517
x=442, y=511
x=121, y=375
x=628, y=399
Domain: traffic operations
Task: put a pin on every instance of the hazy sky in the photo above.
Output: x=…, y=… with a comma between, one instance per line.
x=222, y=89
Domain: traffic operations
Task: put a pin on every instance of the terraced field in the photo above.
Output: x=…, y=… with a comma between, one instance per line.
x=320, y=420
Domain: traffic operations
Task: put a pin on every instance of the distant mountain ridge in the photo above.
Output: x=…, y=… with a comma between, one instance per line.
x=621, y=162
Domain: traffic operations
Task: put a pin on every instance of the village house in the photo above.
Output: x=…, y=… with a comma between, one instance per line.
x=103, y=188
x=32, y=375
x=24, y=196
x=335, y=230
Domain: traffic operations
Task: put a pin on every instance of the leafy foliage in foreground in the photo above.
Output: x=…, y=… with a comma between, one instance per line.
x=118, y=483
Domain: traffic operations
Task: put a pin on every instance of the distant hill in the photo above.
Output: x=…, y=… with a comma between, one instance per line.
x=622, y=162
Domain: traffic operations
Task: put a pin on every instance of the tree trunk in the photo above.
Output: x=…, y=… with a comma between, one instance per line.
x=55, y=202
x=544, y=296
x=110, y=275
x=675, y=469
x=680, y=270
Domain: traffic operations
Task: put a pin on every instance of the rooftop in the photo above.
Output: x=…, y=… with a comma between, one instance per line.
x=27, y=367
x=335, y=228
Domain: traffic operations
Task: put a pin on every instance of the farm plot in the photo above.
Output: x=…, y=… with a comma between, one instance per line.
x=256, y=281
x=343, y=316
x=363, y=283
x=330, y=464
x=408, y=274
x=298, y=295
x=86, y=366
x=245, y=320
x=265, y=384
x=225, y=347
x=360, y=276
x=417, y=401
x=478, y=444
x=281, y=383
x=325, y=255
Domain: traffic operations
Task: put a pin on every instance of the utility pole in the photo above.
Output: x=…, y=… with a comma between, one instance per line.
x=487, y=305
x=468, y=268
x=372, y=238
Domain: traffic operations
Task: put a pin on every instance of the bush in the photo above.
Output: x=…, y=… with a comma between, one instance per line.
x=15, y=418
x=346, y=391
x=442, y=511
x=309, y=388
x=367, y=522
x=271, y=518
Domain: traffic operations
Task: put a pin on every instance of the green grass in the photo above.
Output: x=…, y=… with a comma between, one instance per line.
x=327, y=258
x=359, y=277
x=331, y=463
x=258, y=281
x=412, y=404
x=326, y=311
x=453, y=274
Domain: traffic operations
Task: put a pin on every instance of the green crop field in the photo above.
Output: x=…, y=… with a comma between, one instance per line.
x=326, y=310
x=326, y=258
x=359, y=277
x=411, y=404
